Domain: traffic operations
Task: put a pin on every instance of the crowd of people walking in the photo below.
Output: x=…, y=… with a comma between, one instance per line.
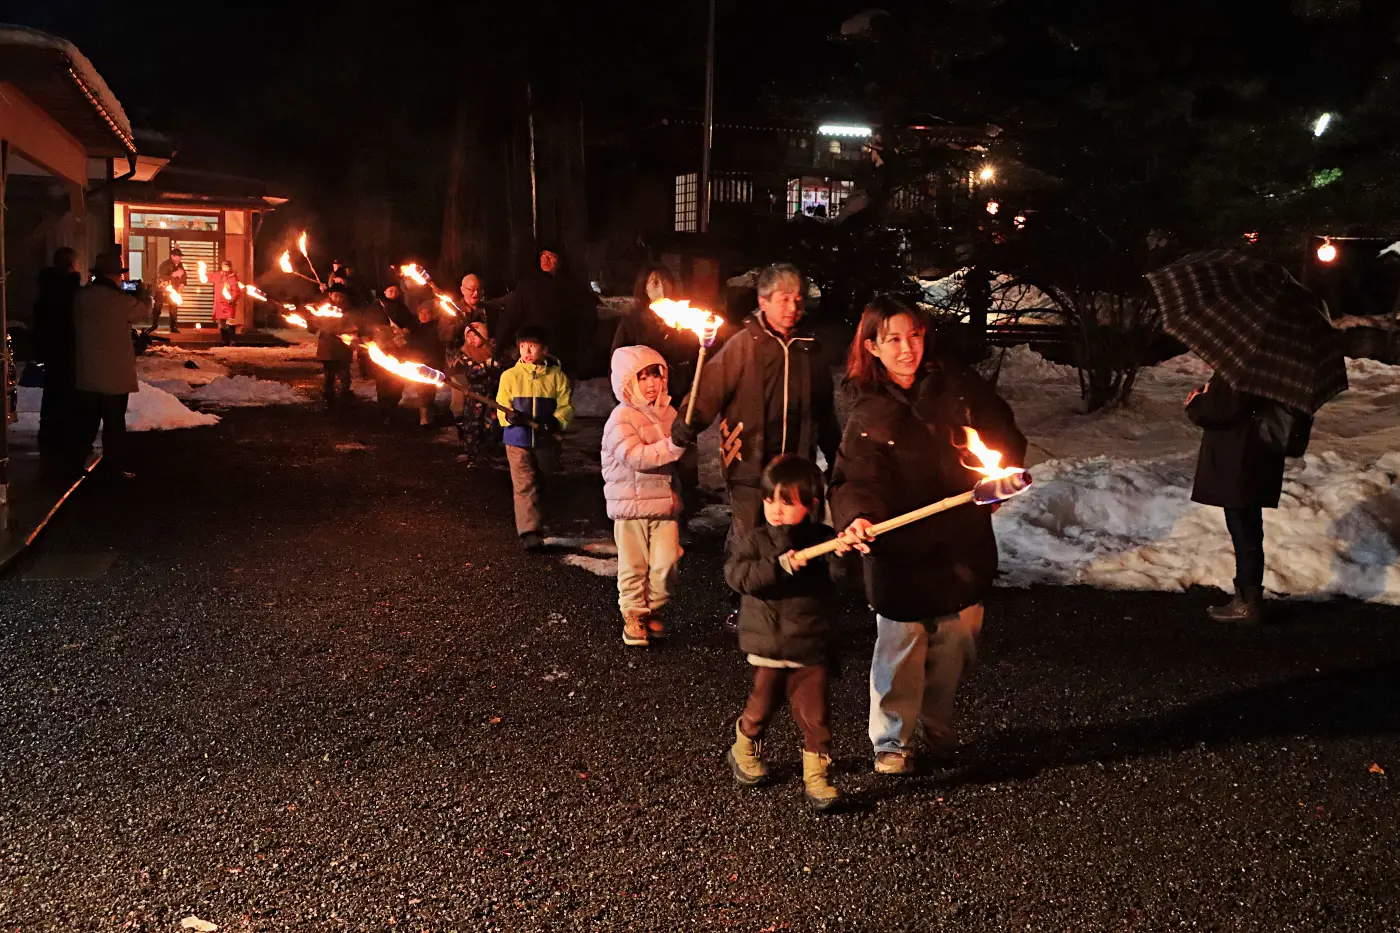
x=795, y=476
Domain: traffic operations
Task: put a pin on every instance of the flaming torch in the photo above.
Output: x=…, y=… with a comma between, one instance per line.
x=325, y=309
x=296, y=320
x=175, y=297
x=414, y=273
x=448, y=306
x=227, y=292
x=998, y=484
x=704, y=325
x=417, y=372
x=252, y=291
x=203, y=269
x=301, y=245
x=284, y=262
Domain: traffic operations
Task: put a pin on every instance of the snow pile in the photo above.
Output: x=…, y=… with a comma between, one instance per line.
x=593, y=398
x=245, y=391
x=168, y=366
x=1131, y=525
x=154, y=409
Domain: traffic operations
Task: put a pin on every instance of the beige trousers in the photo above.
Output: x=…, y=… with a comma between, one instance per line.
x=648, y=553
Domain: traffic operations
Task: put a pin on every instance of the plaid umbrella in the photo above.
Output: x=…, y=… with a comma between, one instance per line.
x=1254, y=324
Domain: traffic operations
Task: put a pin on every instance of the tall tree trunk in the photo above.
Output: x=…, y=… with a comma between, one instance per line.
x=450, y=254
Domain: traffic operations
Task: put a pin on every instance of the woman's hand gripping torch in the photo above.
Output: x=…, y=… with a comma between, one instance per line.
x=704, y=325
x=998, y=484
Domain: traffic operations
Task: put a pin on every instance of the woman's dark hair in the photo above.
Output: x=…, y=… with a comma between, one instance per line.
x=639, y=288
x=795, y=479
x=862, y=368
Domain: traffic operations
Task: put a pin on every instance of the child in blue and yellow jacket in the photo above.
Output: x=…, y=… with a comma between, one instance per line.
x=537, y=391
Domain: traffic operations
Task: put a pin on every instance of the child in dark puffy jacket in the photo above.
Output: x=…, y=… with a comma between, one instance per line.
x=785, y=624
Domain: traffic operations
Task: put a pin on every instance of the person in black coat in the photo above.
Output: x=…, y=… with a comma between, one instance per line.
x=785, y=624
x=1238, y=473
x=904, y=448
x=54, y=342
x=549, y=298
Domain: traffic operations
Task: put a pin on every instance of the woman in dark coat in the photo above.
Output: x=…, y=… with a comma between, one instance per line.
x=903, y=449
x=1238, y=473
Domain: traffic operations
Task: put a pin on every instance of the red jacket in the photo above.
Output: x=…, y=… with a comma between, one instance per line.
x=226, y=293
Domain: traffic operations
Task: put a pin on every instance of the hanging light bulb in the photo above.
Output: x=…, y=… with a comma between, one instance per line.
x=1327, y=252
x=988, y=173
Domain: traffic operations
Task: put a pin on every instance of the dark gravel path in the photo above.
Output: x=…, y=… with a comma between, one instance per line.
x=322, y=690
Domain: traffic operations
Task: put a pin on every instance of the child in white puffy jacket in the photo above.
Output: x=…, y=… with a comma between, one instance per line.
x=642, y=490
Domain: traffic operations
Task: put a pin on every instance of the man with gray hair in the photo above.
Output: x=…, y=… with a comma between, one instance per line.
x=770, y=386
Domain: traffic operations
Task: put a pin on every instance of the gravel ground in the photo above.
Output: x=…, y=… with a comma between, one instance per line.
x=320, y=689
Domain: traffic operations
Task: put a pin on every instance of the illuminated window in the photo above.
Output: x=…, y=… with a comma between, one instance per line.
x=733, y=189
x=687, y=207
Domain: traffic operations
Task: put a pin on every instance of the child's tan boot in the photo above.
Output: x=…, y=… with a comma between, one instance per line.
x=634, y=629
x=820, y=794
x=744, y=758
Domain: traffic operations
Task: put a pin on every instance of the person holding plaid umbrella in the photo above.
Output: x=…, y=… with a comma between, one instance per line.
x=1276, y=360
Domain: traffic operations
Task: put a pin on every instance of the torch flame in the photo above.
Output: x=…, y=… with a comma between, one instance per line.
x=301, y=243
x=413, y=372
x=295, y=320
x=347, y=339
x=681, y=316
x=989, y=461
x=325, y=309
x=285, y=263
x=175, y=297
x=254, y=292
x=447, y=304
x=414, y=273
x=203, y=269
x=227, y=292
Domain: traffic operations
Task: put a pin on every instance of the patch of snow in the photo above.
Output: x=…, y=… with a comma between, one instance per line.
x=153, y=409
x=593, y=398
x=601, y=566
x=246, y=391
x=351, y=447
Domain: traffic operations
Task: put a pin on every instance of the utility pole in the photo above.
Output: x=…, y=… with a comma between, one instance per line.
x=5, y=361
x=709, y=124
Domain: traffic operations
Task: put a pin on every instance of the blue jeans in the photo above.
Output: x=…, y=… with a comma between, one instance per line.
x=914, y=676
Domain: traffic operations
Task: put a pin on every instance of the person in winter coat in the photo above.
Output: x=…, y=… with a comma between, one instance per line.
x=680, y=348
x=386, y=321
x=227, y=291
x=105, y=360
x=770, y=388
x=334, y=354
x=478, y=367
x=549, y=299
x=903, y=449
x=639, y=483
x=1238, y=473
x=54, y=340
x=171, y=273
x=536, y=390
x=425, y=346
x=785, y=624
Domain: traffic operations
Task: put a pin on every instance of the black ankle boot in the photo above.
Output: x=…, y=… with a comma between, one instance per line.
x=1246, y=608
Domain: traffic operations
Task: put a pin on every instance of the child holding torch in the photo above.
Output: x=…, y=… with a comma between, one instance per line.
x=905, y=446
x=640, y=485
x=537, y=392
x=785, y=624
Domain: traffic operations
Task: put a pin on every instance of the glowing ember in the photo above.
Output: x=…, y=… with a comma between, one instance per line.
x=413, y=372
x=285, y=263
x=203, y=269
x=681, y=316
x=414, y=273
x=325, y=310
x=227, y=292
x=175, y=297
x=296, y=320
x=989, y=461
x=254, y=292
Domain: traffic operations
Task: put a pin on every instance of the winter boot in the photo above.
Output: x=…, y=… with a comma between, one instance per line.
x=744, y=758
x=1245, y=609
x=655, y=627
x=820, y=794
x=634, y=629
x=900, y=763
